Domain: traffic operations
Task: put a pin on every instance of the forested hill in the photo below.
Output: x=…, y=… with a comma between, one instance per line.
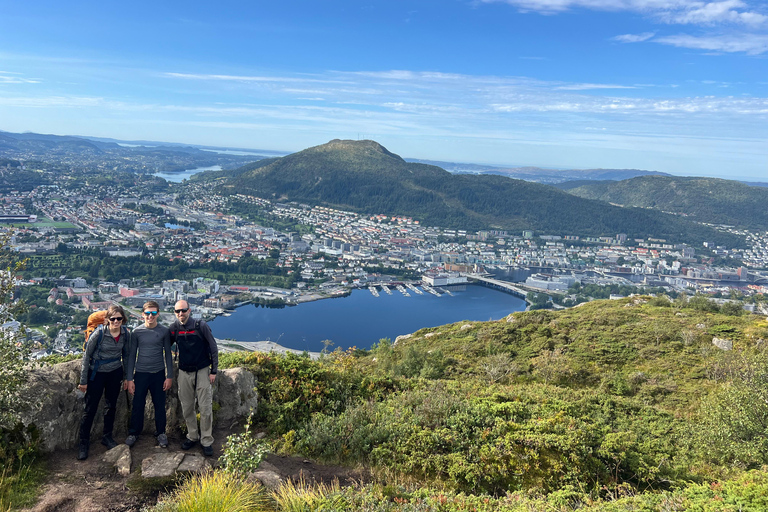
x=363, y=176
x=711, y=200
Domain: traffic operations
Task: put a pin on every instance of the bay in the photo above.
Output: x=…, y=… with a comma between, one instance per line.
x=178, y=177
x=361, y=319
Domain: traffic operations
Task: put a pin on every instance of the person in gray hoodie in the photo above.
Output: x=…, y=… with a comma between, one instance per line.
x=102, y=373
x=150, y=357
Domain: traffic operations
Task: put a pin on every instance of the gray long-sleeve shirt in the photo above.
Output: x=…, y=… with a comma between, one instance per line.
x=108, y=349
x=150, y=351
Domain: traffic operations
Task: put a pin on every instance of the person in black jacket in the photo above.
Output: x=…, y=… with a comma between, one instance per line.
x=198, y=364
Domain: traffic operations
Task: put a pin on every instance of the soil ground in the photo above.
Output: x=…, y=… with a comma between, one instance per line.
x=93, y=486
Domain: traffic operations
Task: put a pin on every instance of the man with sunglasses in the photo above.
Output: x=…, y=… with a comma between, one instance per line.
x=149, y=356
x=198, y=364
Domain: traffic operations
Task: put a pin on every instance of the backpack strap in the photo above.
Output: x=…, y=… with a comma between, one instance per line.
x=98, y=362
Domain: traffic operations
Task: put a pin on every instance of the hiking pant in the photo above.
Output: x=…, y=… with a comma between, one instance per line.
x=110, y=384
x=191, y=384
x=152, y=382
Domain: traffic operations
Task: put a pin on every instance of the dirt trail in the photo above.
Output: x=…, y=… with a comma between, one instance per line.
x=93, y=486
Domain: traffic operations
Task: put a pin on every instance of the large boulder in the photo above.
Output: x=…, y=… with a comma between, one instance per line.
x=55, y=406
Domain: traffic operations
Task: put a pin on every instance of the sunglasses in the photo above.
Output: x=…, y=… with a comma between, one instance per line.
x=181, y=310
x=116, y=319
x=151, y=313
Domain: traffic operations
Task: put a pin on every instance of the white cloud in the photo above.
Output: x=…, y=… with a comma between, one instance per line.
x=669, y=11
x=751, y=44
x=10, y=77
x=727, y=11
x=634, y=38
x=586, y=87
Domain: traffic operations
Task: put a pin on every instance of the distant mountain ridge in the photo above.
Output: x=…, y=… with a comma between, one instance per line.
x=711, y=200
x=553, y=176
x=364, y=176
x=539, y=174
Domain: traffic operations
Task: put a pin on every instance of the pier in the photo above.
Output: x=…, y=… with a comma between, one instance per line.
x=415, y=290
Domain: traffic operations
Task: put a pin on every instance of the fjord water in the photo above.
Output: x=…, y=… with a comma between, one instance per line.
x=361, y=319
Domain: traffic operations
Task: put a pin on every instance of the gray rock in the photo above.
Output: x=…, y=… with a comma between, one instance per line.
x=402, y=337
x=120, y=457
x=267, y=474
x=722, y=343
x=55, y=406
x=235, y=392
x=161, y=465
x=193, y=463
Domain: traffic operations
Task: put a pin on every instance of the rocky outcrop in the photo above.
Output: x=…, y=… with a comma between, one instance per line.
x=55, y=406
x=722, y=343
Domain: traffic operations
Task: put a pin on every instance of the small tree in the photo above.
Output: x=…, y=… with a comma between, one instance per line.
x=13, y=349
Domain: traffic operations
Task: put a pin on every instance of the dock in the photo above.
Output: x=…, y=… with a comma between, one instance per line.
x=415, y=290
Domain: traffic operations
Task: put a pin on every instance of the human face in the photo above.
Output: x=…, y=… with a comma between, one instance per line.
x=150, y=317
x=182, y=311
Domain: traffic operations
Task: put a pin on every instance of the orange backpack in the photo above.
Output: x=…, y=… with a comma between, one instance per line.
x=94, y=320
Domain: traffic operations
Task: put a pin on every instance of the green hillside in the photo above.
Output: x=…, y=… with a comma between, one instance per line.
x=710, y=200
x=614, y=405
x=363, y=176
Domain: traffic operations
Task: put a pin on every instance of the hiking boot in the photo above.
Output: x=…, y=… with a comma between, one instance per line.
x=162, y=440
x=82, y=453
x=131, y=440
x=107, y=441
x=207, y=451
x=187, y=444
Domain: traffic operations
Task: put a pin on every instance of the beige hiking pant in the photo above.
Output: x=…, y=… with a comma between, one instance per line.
x=204, y=403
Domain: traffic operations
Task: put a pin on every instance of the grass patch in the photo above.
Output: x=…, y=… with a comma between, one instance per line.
x=20, y=488
x=216, y=491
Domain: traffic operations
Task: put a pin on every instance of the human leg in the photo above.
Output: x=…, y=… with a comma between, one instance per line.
x=205, y=403
x=112, y=385
x=187, y=399
x=92, y=399
x=141, y=381
x=156, y=381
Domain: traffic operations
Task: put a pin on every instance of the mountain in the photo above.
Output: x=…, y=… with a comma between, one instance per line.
x=553, y=176
x=46, y=143
x=364, y=176
x=709, y=200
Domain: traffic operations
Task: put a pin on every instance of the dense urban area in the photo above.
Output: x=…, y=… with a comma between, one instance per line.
x=83, y=237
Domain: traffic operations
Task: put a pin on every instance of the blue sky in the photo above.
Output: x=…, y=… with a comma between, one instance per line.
x=678, y=86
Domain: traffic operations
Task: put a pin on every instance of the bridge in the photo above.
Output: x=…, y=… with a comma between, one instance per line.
x=503, y=286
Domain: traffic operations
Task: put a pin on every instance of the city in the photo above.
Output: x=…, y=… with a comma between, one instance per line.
x=325, y=252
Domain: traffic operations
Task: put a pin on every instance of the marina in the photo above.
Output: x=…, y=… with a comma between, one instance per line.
x=361, y=319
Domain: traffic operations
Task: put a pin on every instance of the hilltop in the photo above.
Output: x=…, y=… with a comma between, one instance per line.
x=364, y=176
x=711, y=200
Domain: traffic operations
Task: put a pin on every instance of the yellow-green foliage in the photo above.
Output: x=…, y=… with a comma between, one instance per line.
x=304, y=497
x=607, y=400
x=216, y=491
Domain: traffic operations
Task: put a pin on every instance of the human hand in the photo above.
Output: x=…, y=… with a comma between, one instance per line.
x=83, y=387
x=131, y=386
x=167, y=384
x=212, y=377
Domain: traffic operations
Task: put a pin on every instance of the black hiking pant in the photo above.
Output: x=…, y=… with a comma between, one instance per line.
x=108, y=384
x=152, y=383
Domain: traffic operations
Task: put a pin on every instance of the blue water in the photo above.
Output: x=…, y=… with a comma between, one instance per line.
x=178, y=177
x=361, y=319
